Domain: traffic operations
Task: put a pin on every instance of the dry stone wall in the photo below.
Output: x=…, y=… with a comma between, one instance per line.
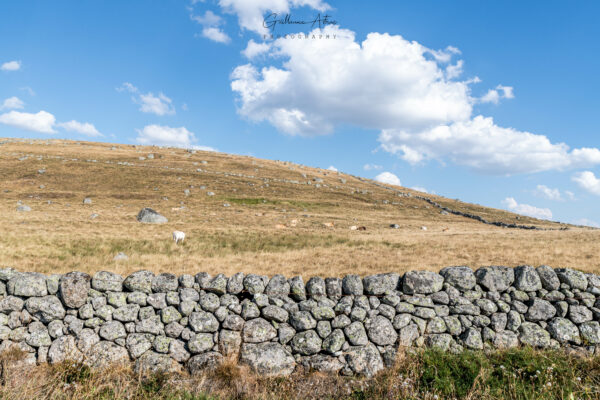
x=349, y=325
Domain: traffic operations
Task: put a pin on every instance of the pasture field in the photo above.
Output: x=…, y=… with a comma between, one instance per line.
x=244, y=214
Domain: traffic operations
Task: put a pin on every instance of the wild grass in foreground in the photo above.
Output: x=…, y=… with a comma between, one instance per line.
x=429, y=374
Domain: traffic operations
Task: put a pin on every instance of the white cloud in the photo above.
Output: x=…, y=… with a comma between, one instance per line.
x=332, y=168
x=309, y=96
x=41, y=121
x=211, y=27
x=494, y=95
x=389, y=178
x=588, y=182
x=149, y=103
x=165, y=136
x=421, y=111
x=85, y=128
x=159, y=105
x=483, y=146
x=254, y=49
x=251, y=13
x=526, y=209
x=28, y=90
x=570, y=195
x=586, y=222
x=370, y=167
x=11, y=66
x=548, y=193
x=420, y=189
x=216, y=35
x=12, y=103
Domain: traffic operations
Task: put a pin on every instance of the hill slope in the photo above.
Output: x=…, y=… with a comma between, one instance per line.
x=265, y=216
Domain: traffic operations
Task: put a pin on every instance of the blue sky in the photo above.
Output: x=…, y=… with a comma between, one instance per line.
x=492, y=103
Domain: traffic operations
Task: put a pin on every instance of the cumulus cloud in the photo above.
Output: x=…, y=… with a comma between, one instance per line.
x=211, y=27
x=254, y=49
x=494, y=95
x=588, y=182
x=149, y=103
x=251, y=13
x=389, y=178
x=41, y=121
x=216, y=35
x=550, y=194
x=420, y=189
x=526, y=209
x=332, y=168
x=165, y=136
x=370, y=167
x=412, y=98
x=12, y=103
x=483, y=146
x=11, y=66
x=84, y=128
x=310, y=97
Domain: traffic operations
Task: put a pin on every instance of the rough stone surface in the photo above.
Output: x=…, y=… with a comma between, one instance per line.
x=149, y=216
x=268, y=359
x=423, y=282
x=348, y=325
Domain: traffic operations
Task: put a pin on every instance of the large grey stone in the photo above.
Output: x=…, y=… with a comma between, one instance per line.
x=149, y=216
x=471, y=338
x=580, y=314
x=202, y=321
x=540, y=310
x=164, y=282
x=505, y=340
x=495, y=278
x=112, y=330
x=548, y=277
x=267, y=359
x=151, y=363
x=564, y=331
x=356, y=334
x=105, y=281
x=380, y=284
x=380, y=331
x=139, y=281
x=46, y=309
x=306, y=343
x=302, y=320
x=258, y=330
x=106, y=354
x=424, y=282
x=575, y=279
x=461, y=278
x=74, y=288
x=352, y=285
x=315, y=287
x=64, y=348
x=527, y=279
x=364, y=360
x=590, y=332
x=27, y=285
x=278, y=286
x=533, y=335
x=200, y=343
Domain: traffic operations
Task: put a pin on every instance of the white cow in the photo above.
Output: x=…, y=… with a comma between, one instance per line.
x=178, y=236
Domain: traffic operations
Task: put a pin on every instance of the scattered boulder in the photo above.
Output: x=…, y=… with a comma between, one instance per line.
x=149, y=216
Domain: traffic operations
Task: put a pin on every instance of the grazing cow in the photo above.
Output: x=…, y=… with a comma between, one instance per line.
x=178, y=236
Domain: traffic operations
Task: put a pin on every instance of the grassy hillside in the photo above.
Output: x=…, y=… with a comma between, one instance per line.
x=264, y=217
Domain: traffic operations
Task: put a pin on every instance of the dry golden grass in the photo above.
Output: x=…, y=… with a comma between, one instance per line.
x=271, y=226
